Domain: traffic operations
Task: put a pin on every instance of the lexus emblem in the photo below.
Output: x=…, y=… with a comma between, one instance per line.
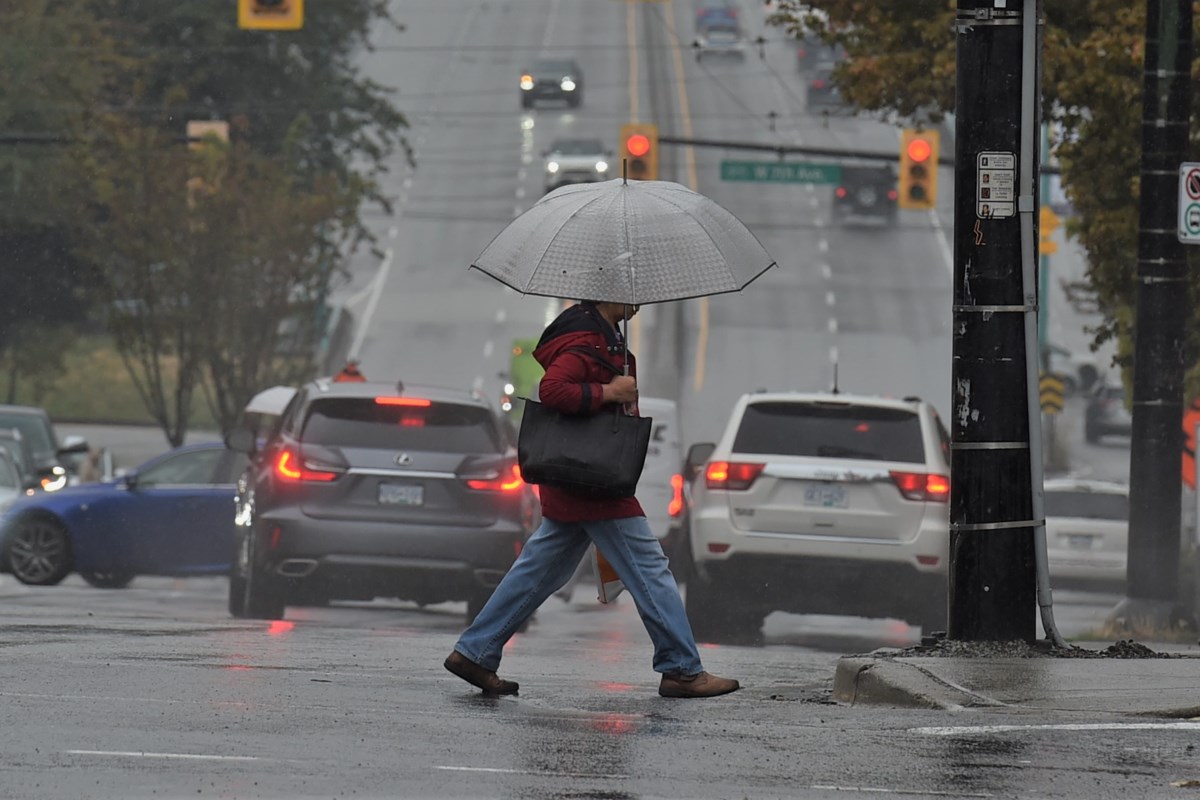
x=404, y=459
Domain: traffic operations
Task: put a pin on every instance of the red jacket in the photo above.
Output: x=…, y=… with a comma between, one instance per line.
x=573, y=384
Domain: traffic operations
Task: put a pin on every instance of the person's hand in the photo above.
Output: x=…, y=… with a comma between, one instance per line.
x=621, y=389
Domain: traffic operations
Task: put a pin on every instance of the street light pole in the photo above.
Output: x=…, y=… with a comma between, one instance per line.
x=992, y=567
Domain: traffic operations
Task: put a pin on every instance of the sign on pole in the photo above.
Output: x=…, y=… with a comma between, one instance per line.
x=1189, y=202
x=780, y=172
x=1052, y=390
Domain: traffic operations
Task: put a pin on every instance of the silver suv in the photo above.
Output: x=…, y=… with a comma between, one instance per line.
x=823, y=504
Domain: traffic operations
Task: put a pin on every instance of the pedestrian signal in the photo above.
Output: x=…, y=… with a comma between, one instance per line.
x=639, y=151
x=918, y=169
x=271, y=15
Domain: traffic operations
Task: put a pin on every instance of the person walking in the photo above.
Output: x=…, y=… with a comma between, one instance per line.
x=350, y=373
x=576, y=384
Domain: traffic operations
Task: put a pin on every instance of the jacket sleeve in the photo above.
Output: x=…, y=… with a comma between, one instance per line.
x=566, y=389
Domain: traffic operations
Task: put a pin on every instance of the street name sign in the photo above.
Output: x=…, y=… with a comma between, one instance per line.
x=780, y=172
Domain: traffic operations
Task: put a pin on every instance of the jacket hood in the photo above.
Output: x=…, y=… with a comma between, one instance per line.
x=575, y=326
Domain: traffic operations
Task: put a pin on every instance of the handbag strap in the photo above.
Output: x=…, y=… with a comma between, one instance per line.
x=586, y=351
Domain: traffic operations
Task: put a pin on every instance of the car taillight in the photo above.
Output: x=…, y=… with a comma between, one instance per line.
x=893, y=194
x=675, y=507
x=407, y=402
x=817, y=83
x=841, y=192
x=922, y=486
x=289, y=467
x=509, y=480
x=732, y=476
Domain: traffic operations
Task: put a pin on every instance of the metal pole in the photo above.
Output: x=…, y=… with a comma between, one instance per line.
x=992, y=575
x=1163, y=305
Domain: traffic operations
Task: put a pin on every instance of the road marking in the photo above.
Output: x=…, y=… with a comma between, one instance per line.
x=830, y=300
x=826, y=271
x=548, y=36
x=833, y=355
x=488, y=347
x=546, y=772
x=501, y=316
x=144, y=754
x=823, y=245
x=520, y=192
x=477, y=384
x=833, y=324
x=968, y=730
x=907, y=792
x=393, y=232
x=376, y=290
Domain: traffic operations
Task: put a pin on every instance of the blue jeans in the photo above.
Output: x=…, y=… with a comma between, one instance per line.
x=547, y=562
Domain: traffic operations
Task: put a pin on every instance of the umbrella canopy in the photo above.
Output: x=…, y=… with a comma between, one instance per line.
x=631, y=242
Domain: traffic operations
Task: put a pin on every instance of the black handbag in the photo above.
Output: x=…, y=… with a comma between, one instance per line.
x=597, y=455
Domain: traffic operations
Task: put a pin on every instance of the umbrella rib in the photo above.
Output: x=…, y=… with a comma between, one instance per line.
x=533, y=272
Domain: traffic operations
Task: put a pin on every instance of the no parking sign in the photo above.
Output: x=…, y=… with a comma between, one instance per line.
x=1189, y=203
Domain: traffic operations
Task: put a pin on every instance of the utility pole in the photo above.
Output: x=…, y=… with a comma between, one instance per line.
x=992, y=567
x=1163, y=304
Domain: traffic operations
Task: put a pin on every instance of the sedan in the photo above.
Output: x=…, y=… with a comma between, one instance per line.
x=172, y=515
x=1087, y=533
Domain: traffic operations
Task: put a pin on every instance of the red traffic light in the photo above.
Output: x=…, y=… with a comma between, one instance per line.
x=919, y=150
x=637, y=145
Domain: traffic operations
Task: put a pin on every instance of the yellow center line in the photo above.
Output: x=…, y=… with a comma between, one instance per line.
x=693, y=181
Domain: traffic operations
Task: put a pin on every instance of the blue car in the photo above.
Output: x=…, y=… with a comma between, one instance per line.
x=172, y=515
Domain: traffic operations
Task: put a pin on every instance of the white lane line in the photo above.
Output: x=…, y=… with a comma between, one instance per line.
x=968, y=730
x=520, y=192
x=407, y=183
x=546, y=772
x=833, y=354
x=826, y=271
x=814, y=202
x=830, y=300
x=477, y=384
x=943, y=243
x=906, y=792
x=501, y=316
x=380, y=280
x=833, y=324
x=144, y=754
x=488, y=347
x=823, y=245
x=548, y=37
x=521, y=174
x=517, y=210
x=393, y=232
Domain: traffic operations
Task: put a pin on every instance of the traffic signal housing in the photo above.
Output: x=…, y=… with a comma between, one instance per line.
x=918, y=169
x=639, y=151
x=271, y=15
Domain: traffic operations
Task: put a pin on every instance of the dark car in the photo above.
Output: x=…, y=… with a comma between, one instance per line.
x=1106, y=414
x=365, y=490
x=715, y=10
x=812, y=50
x=821, y=90
x=552, y=79
x=866, y=193
x=49, y=455
x=170, y=516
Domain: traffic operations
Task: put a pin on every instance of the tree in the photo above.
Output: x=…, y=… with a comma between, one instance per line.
x=901, y=61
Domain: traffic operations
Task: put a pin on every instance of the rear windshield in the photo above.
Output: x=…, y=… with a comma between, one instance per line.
x=439, y=427
x=831, y=431
x=1087, y=505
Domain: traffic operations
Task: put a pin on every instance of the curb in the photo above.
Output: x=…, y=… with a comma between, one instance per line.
x=882, y=681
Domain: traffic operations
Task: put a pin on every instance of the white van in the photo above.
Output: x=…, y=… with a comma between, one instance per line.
x=661, y=489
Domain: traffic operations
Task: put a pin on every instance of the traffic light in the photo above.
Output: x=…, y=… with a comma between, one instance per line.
x=918, y=169
x=639, y=151
x=271, y=15
x=1048, y=223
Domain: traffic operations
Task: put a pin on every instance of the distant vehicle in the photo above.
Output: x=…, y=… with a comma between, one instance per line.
x=170, y=516
x=365, y=490
x=866, y=193
x=821, y=90
x=720, y=37
x=35, y=425
x=576, y=161
x=716, y=10
x=1106, y=414
x=812, y=50
x=820, y=503
x=1087, y=533
x=552, y=79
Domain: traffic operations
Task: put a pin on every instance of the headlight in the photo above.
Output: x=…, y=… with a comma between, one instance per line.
x=552, y=167
x=601, y=166
x=527, y=82
x=509, y=388
x=567, y=85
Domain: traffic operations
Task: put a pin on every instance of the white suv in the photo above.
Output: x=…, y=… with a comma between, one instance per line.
x=823, y=504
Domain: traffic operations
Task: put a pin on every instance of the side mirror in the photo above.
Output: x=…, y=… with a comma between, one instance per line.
x=73, y=444
x=697, y=455
x=240, y=440
x=130, y=480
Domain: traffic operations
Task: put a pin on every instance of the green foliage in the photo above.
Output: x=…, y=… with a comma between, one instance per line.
x=901, y=60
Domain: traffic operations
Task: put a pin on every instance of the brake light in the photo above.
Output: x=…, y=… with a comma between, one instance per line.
x=922, y=486
x=503, y=482
x=290, y=468
x=818, y=83
x=893, y=194
x=840, y=192
x=732, y=476
x=675, y=507
x=408, y=402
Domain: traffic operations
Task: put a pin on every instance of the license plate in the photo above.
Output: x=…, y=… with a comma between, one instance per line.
x=401, y=494
x=1080, y=541
x=824, y=496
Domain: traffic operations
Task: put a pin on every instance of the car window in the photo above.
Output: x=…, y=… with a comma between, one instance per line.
x=577, y=147
x=231, y=467
x=1087, y=505
x=191, y=468
x=440, y=427
x=8, y=475
x=565, y=67
x=14, y=449
x=34, y=429
x=830, y=430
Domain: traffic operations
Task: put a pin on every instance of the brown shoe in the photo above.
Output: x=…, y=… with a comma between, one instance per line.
x=476, y=675
x=701, y=684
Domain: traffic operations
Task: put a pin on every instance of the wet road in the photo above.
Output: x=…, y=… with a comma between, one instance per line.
x=155, y=692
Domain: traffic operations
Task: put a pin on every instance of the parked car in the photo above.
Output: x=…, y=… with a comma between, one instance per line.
x=576, y=161
x=1106, y=413
x=1087, y=533
x=720, y=37
x=14, y=443
x=35, y=425
x=821, y=90
x=866, y=193
x=812, y=50
x=365, y=490
x=552, y=79
x=821, y=503
x=170, y=516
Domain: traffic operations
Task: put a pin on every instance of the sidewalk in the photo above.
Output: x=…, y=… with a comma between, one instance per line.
x=1128, y=679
